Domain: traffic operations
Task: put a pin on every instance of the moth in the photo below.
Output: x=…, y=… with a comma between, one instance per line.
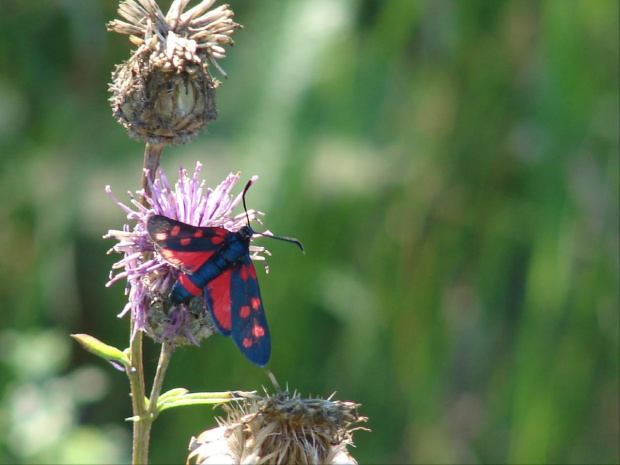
x=216, y=261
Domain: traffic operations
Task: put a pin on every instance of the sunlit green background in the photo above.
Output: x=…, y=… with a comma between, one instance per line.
x=452, y=168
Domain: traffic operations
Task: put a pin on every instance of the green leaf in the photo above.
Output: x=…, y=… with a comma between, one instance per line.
x=229, y=395
x=185, y=402
x=171, y=393
x=182, y=398
x=105, y=351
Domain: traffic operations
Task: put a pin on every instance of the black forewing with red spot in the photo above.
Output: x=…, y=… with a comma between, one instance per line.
x=236, y=306
x=182, y=245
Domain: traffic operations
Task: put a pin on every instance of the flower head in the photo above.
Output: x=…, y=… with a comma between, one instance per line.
x=149, y=277
x=165, y=93
x=283, y=428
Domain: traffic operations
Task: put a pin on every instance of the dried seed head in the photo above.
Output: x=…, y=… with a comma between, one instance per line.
x=280, y=429
x=165, y=93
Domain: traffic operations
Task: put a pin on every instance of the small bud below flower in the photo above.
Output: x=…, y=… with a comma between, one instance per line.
x=179, y=326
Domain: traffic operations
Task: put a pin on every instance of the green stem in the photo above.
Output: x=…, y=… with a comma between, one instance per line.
x=162, y=366
x=142, y=427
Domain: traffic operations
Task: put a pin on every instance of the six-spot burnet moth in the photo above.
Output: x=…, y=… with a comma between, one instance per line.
x=217, y=261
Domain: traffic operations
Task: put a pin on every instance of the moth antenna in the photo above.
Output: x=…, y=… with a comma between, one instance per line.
x=247, y=186
x=285, y=239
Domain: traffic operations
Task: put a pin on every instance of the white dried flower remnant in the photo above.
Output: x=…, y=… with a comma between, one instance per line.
x=283, y=429
x=165, y=93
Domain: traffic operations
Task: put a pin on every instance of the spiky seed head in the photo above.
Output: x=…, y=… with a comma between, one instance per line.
x=282, y=428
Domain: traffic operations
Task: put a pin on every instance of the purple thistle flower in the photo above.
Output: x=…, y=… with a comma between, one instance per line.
x=149, y=277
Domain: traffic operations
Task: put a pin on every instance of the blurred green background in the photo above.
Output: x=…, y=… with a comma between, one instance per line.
x=452, y=168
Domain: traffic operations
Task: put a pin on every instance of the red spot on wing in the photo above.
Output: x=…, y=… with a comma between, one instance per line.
x=258, y=331
x=189, y=285
x=219, y=292
x=185, y=241
x=189, y=261
x=176, y=229
x=199, y=233
x=161, y=236
x=244, y=311
x=247, y=342
x=217, y=240
x=243, y=273
x=255, y=302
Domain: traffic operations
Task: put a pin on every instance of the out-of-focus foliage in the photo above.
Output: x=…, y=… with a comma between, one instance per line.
x=452, y=168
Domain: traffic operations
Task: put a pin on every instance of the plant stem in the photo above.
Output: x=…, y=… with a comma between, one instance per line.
x=152, y=158
x=141, y=425
x=162, y=366
x=142, y=418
